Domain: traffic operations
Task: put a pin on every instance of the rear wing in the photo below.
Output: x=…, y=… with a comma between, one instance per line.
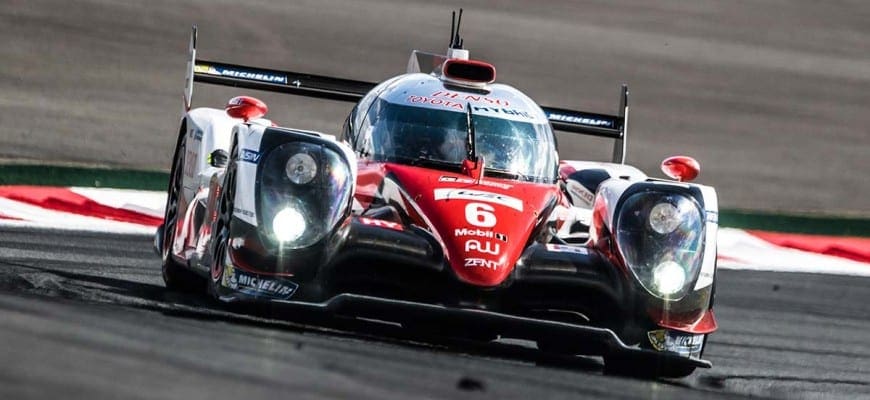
x=326, y=87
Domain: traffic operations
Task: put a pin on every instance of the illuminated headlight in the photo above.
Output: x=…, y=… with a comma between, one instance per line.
x=288, y=225
x=304, y=192
x=661, y=239
x=664, y=218
x=301, y=168
x=668, y=278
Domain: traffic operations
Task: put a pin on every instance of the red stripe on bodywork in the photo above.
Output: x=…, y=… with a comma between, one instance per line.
x=853, y=248
x=64, y=200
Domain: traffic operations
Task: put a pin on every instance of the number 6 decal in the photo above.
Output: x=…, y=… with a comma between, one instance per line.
x=479, y=214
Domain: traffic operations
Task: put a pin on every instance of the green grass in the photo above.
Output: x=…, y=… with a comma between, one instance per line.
x=49, y=175
x=29, y=174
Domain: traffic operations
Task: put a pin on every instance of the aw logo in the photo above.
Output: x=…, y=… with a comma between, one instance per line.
x=250, y=156
x=483, y=247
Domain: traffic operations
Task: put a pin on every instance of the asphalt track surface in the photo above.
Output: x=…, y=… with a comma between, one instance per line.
x=770, y=96
x=86, y=316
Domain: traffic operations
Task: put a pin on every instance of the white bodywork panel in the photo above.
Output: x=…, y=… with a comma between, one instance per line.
x=622, y=177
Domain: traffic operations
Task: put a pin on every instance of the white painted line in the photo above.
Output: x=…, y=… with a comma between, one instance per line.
x=740, y=250
x=38, y=217
x=146, y=202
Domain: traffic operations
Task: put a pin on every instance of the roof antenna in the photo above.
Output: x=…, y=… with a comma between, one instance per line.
x=455, y=49
x=452, y=29
x=457, y=40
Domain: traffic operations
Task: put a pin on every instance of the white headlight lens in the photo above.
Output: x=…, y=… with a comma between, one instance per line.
x=301, y=168
x=664, y=218
x=288, y=225
x=668, y=278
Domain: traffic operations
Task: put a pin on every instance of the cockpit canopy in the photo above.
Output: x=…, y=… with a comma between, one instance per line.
x=418, y=121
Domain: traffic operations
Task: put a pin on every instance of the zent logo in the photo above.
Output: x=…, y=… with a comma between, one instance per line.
x=479, y=214
x=483, y=247
x=250, y=156
x=479, y=262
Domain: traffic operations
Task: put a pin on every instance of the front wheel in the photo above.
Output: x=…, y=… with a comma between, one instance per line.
x=221, y=226
x=175, y=275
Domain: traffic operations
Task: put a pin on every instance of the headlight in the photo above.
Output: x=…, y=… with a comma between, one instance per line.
x=301, y=168
x=668, y=278
x=661, y=239
x=288, y=225
x=664, y=218
x=304, y=192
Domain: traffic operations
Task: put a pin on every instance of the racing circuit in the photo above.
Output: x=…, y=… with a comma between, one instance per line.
x=85, y=315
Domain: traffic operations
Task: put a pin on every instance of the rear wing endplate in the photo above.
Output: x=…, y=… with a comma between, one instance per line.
x=326, y=87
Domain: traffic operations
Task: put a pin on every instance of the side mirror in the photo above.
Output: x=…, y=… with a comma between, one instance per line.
x=681, y=168
x=219, y=158
x=246, y=108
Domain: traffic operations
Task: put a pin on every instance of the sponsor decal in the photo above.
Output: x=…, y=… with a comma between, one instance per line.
x=505, y=111
x=469, y=181
x=244, y=212
x=583, y=120
x=381, y=223
x=580, y=194
x=194, y=133
x=564, y=248
x=482, y=247
x=481, y=263
x=464, y=97
x=478, y=195
x=241, y=73
x=250, y=156
x=677, y=342
x=462, y=232
x=255, y=285
x=190, y=162
x=435, y=102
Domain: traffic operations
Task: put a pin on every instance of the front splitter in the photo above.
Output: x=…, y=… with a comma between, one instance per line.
x=606, y=342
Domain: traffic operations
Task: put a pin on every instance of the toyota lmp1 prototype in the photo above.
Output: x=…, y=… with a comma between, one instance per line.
x=443, y=205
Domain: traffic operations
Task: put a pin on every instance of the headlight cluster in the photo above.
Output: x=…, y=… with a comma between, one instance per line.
x=304, y=191
x=661, y=238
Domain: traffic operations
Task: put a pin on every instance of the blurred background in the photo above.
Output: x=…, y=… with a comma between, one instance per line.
x=770, y=96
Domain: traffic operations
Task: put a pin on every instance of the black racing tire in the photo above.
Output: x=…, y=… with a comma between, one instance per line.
x=221, y=228
x=176, y=276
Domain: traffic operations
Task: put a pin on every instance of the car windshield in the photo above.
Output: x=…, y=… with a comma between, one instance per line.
x=407, y=134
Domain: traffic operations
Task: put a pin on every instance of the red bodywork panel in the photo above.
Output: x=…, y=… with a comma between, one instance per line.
x=689, y=323
x=484, y=225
